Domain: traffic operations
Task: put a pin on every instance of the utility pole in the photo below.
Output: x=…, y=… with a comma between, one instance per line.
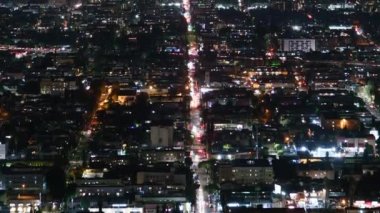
x=255, y=136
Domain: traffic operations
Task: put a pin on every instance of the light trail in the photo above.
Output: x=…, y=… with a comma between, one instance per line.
x=195, y=126
x=200, y=201
x=43, y=50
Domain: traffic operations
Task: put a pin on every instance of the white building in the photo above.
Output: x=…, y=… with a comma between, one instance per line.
x=161, y=136
x=303, y=45
x=355, y=145
x=3, y=151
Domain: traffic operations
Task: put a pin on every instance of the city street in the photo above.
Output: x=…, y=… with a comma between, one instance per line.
x=189, y=106
x=77, y=154
x=202, y=204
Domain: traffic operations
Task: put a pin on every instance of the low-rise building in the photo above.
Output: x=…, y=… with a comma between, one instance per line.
x=246, y=172
x=160, y=178
x=100, y=187
x=161, y=136
x=352, y=146
x=316, y=170
x=337, y=122
x=300, y=44
x=162, y=155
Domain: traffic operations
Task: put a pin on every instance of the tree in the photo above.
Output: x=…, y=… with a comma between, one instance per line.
x=368, y=151
x=100, y=206
x=188, y=161
x=56, y=182
x=378, y=146
x=70, y=190
x=208, y=165
x=141, y=107
x=264, y=152
x=279, y=148
x=284, y=170
x=351, y=190
x=369, y=90
x=191, y=188
x=285, y=121
x=211, y=188
x=85, y=203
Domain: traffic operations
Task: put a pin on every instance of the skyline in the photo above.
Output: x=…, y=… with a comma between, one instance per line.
x=189, y=106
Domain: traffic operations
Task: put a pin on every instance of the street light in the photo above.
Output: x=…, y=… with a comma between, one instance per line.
x=256, y=137
x=343, y=123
